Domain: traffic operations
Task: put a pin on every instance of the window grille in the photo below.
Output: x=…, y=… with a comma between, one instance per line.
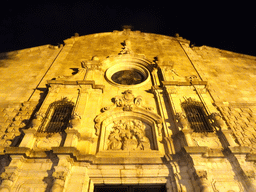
x=196, y=115
x=57, y=116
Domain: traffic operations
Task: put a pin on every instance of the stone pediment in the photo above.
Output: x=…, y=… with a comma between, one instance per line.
x=128, y=126
x=125, y=106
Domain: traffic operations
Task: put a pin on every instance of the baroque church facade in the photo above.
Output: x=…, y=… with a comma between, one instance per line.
x=127, y=111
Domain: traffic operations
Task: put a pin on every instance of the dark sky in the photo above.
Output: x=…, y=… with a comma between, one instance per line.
x=226, y=26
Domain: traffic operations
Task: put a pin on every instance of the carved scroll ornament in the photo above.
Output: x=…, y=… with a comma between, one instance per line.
x=128, y=102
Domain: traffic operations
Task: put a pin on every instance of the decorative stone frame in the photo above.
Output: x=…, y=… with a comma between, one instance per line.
x=103, y=120
x=140, y=65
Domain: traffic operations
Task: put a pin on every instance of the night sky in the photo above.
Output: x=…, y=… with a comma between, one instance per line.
x=229, y=26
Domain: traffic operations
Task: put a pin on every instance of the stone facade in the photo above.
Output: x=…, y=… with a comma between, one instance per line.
x=127, y=108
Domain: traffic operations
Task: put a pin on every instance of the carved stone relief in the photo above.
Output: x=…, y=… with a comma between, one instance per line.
x=128, y=135
x=46, y=143
x=128, y=125
x=128, y=102
x=126, y=49
x=211, y=142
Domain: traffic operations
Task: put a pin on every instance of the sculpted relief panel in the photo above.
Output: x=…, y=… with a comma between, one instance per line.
x=128, y=125
x=128, y=135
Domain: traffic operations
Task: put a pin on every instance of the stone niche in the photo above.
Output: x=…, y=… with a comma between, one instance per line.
x=128, y=127
x=127, y=135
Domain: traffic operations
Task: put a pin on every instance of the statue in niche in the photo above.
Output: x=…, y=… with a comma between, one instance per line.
x=128, y=135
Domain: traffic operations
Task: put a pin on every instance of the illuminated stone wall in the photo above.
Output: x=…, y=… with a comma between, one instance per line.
x=147, y=109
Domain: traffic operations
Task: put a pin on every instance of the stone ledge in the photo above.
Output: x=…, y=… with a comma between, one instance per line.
x=185, y=83
x=240, y=149
x=128, y=160
x=251, y=157
x=66, y=150
x=195, y=150
x=17, y=150
x=22, y=151
x=118, y=153
x=81, y=82
x=205, y=151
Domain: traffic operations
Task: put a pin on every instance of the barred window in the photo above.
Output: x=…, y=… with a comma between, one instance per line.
x=57, y=116
x=196, y=115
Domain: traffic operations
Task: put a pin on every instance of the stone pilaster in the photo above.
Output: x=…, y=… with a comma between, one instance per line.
x=11, y=172
x=62, y=171
x=203, y=182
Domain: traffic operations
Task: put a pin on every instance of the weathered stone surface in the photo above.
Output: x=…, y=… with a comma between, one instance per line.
x=147, y=109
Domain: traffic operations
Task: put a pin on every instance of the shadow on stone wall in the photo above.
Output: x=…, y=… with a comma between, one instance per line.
x=4, y=58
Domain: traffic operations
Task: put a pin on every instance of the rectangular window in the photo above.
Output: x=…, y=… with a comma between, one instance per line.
x=57, y=116
x=196, y=116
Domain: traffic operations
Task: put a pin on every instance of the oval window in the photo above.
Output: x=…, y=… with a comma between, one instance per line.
x=128, y=77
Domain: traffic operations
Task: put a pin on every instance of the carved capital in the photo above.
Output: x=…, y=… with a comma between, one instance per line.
x=250, y=174
x=8, y=176
x=201, y=174
x=37, y=120
x=218, y=121
x=60, y=175
x=182, y=121
x=75, y=120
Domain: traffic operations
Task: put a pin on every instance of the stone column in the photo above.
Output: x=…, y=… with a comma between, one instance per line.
x=76, y=118
x=59, y=181
x=204, y=183
x=62, y=170
x=188, y=137
x=29, y=138
x=155, y=77
x=71, y=138
x=7, y=182
x=184, y=126
x=219, y=122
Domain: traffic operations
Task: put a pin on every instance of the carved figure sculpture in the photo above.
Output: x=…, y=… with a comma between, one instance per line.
x=128, y=135
x=114, y=140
